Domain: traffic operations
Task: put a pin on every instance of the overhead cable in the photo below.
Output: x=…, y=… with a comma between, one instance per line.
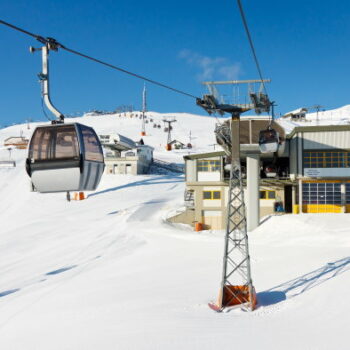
x=251, y=43
x=47, y=40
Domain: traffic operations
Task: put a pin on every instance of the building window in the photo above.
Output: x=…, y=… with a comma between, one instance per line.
x=211, y=194
x=322, y=193
x=267, y=194
x=208, y=165
x=347, y=193
x=326, y=159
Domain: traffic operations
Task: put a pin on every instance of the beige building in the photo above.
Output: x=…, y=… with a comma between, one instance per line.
x=19, y=142
x=206, y=193
x=312, y=175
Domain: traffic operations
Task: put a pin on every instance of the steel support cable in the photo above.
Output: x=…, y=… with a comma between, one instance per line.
x=50, y=41
x=251, y=43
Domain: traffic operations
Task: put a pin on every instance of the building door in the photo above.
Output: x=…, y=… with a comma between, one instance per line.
x=128, y=169
x=322, y=197
x=288, y=201
x=115, y=169
x=212, y=219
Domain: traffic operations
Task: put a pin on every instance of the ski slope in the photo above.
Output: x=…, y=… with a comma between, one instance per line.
x=110, y=272
x=338, y=116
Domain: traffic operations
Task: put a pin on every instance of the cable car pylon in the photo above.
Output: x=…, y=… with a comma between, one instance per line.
x=236, y=284
x=168, y=130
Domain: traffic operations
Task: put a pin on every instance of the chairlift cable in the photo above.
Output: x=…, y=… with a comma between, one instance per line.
x=47, y=40
x=251, y=43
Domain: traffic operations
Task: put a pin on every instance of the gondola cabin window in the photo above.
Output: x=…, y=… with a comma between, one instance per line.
x=39, y=149
x=54, y=143
x=91, y=144
x=66, y=145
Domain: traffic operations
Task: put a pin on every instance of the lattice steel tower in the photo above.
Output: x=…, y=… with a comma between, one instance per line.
x=236, y=284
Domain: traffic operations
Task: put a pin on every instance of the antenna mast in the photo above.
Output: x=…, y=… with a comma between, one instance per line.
x=144, y=109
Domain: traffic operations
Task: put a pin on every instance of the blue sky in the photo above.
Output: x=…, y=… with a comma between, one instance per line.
x=302, y=46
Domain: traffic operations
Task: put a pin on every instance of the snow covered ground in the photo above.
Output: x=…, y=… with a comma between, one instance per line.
x=338, y=116
x=110, y=272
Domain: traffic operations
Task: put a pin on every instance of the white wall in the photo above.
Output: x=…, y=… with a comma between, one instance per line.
x=209, y=176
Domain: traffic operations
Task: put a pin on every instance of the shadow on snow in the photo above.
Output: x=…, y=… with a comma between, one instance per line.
x=301, y=284
x=58, y=271
x=7, y=292
x=145, y=182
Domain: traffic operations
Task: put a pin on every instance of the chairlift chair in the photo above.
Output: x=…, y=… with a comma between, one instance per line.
x=65, y=157
x=268, y=140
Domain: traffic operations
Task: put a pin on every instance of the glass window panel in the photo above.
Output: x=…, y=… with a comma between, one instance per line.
x=262, y=194
x=216, y=195
x=40, y=144
x=66, y=143
x=271, y=195
x=206, y=194
x=92, y=146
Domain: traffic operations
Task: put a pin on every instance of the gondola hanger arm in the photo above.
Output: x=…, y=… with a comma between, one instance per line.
x=49, y=44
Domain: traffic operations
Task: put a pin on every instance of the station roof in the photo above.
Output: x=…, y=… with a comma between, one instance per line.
x=318, y=128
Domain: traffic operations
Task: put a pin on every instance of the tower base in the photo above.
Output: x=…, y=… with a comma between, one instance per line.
x=232, y=296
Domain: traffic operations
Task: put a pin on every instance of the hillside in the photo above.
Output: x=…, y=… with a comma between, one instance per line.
x=111, y=273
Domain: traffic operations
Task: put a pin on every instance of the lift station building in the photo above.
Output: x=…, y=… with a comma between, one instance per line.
x=309, y=174
x=124, y=156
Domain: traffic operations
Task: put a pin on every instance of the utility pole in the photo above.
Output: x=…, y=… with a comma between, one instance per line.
x=317, y=108
x=144, y=109
x=190, y=138
x=169, y=122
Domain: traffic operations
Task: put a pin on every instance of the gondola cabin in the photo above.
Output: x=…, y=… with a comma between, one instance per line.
x=65, y=157
x=268, y=140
